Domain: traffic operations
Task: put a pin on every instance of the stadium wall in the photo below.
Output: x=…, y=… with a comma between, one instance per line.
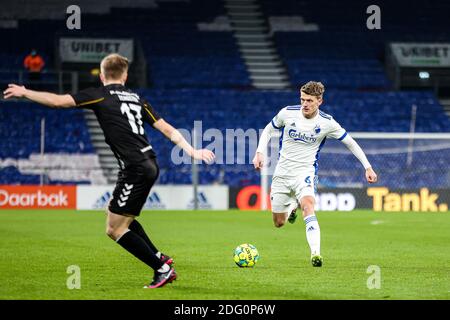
x=221, y=197
x=177, y=197
x=347, y=199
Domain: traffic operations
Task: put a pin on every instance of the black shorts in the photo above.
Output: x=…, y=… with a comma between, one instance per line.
x=133, y=186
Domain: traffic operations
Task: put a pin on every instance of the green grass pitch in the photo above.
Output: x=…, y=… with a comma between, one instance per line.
x=411, y=249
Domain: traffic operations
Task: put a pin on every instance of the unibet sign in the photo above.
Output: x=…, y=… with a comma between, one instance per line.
x=422, y=54
x=424, y=200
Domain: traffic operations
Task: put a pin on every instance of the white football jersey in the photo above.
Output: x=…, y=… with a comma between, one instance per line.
x=301, y=140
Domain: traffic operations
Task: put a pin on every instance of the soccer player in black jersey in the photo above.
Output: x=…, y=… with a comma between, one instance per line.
x=121, y=114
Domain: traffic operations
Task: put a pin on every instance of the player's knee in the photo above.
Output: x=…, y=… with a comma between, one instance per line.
x=110, y=232
x=278, y=224
x=278, y=221
x=115, y=232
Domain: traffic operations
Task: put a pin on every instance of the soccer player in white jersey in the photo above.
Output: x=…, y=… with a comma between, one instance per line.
x=304, y=129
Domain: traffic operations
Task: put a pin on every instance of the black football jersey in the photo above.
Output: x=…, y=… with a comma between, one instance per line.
x=121, y=114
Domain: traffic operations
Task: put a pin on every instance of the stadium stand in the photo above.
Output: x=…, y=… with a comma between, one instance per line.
x=356, y=111
x=20, y=142
x=200, y=75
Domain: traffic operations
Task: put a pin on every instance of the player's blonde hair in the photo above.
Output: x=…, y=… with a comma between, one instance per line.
x=113, y=66
x=313, y=88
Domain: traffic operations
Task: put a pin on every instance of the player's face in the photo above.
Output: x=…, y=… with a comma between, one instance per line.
x=310, y=104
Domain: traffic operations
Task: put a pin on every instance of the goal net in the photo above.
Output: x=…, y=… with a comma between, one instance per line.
x=401, y=160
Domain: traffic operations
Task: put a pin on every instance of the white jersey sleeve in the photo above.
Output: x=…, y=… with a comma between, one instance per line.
x=353, y=146
x=278, y=120
x=336, y=131
x=269, y=131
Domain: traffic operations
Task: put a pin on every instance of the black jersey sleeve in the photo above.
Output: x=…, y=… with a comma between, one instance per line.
x=88, y=98
x=149, y=114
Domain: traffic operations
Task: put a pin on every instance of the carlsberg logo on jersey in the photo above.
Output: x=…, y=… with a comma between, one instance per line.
x=301, y=136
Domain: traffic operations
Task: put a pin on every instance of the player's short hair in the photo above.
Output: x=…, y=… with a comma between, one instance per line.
x=113, y=66
x=313, y=88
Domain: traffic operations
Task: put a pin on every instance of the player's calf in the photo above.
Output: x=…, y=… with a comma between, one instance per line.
x=307, y=205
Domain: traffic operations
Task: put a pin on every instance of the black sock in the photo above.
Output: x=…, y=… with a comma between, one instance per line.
x=135, y=245
x=136, y=227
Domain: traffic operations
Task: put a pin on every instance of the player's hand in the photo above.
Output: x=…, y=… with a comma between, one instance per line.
x=14, y=91
x=371, y=176
x=258, y=161
x=204, y=154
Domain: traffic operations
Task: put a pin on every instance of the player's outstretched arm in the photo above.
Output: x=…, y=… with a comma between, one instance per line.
x=46, y=98
x=258, y=159
x=354, y=147
x=175, y=136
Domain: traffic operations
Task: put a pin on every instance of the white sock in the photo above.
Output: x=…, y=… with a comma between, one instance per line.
x=313, y=233
x=158, y=254
x=165, y=267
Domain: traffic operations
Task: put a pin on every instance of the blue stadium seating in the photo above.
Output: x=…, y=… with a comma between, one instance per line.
x=205, y=59
x=224, y=109
x=344, y=53
x=196, y=75
x=356, y=111
x=20, y=133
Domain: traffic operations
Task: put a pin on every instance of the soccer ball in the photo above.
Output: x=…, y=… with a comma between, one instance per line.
x=246, y=255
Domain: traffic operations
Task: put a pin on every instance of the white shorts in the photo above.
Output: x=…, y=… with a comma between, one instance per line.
x=287, y=191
